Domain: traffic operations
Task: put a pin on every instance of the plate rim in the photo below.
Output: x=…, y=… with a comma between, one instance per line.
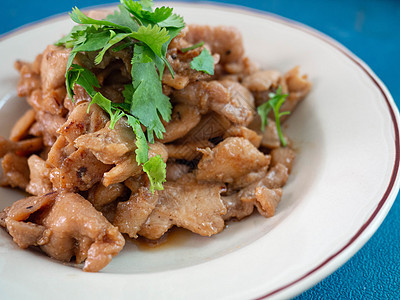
x=369, y=227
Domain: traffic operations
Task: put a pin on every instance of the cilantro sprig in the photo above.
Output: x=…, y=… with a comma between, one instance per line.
x=135, y=24
x=274, y=103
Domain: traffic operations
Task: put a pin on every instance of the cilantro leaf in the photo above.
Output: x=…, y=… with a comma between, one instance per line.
x=155, y=168
x=79, y=17
x=152, y=36
x=148, y=101
x=123, y=18
x=173, y=20
x=82, y=76
x=142, y=153
x=148, y=33
x=274, y=103
x=204, y=62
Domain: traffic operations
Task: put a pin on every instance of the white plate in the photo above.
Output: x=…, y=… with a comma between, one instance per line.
x=343, y=183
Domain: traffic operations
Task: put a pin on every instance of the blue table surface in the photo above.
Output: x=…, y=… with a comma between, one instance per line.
x=371, y=30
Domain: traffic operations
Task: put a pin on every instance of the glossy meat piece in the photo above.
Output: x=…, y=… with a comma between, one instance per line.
x=53, y=67
x=244, y=132
x=187, y=150
x=109, y=145
x=21, y=127
x=39, y=183
x=183, y=119
x=128, y=166
x=29, y=76
x=131, y=214
x=186, y=203
x=15, y=171
x=284, y=156
x=176, y=171
x=229, y=160
x=224, y=40
x=47, y=126
x=81, y=122
x=69, y=227
x=100, y=195
x=227, y=98
x=236, y=208
x=79, y=171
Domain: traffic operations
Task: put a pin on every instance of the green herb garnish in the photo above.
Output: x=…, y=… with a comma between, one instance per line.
x=198, y=45
x=204, y=62
x=275, y=102
x=135, y=24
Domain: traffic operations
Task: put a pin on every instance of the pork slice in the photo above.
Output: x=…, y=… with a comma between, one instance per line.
x=298, y=88
x=131, y=214
x=128, y=166
x=26, y=232
x=183, y=119
x=50, y=101
x=236, y=208
x=49, y=125
x=80, y=121
x=29, y=76
x=21, y=127
x=227, y=98
x=284, y=156
x=264, y=80
x=100, y=195
x=79, y=171
x=53, y=67
x=275, y=178
x=60, y=150
x=244, y=132
x=176, y=170
x=187, y=150
x=15, y=171
x=224, y=40
x=70, y=227
x=39, y=183
x=211, y=125
x=186, y=203
x=231, y=159
x=21, y=148
x=109, y=145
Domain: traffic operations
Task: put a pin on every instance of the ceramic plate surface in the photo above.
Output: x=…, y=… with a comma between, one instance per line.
x=344, y=181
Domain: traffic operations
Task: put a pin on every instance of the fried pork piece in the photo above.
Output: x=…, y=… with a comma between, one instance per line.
x=244, y=132
x=29, y=76
x=131, y=215
x=39, y=183
x=21, y=127
x=78, y=172
x=183, y=119
x=47, y=126
x=15, y=171
x=64, y=225
x=228, y=98
x=189, y=204
x=22, y=148
x=81, y=122
x=230, y=160
x=128, y=166
x=236, y=208
x=101, y=195
x=224, y=40
x=298, y=87
x=284, y=156
x=109, y=145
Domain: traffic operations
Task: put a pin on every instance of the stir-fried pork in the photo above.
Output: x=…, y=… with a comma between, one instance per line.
x=88, y=185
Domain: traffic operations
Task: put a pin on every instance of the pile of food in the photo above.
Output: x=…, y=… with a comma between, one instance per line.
x=139, y=123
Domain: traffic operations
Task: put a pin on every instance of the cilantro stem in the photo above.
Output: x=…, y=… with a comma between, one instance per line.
x=198, y=45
